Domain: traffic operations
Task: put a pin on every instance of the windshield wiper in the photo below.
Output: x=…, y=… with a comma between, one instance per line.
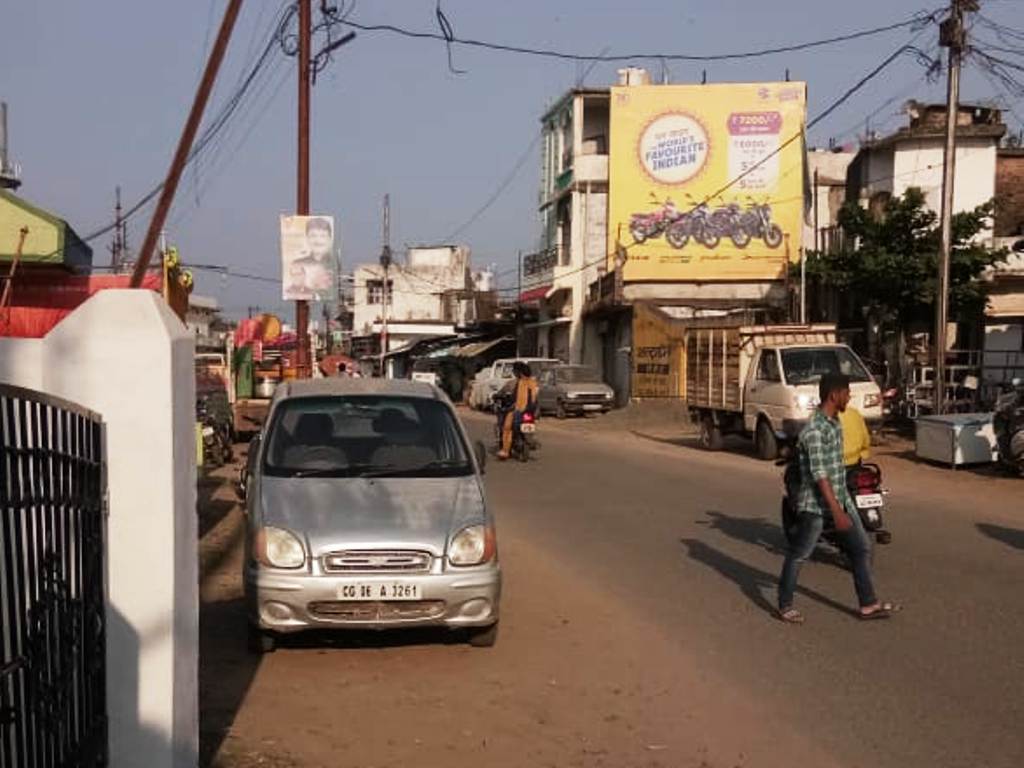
x=326, y=472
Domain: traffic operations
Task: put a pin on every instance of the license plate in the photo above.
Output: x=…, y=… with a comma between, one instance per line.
x=592, y=407
x=869, y=501
x=379, y=590
x=528, y=429
x=207, y=431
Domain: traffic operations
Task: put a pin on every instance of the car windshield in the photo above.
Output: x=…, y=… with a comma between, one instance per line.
x=807, y=365
x=365, y=436
x=577, y=374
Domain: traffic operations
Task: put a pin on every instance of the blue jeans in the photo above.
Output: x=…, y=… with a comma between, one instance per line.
x=853, y=542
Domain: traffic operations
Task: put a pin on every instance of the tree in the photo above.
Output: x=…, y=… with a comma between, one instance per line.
x=890, y=260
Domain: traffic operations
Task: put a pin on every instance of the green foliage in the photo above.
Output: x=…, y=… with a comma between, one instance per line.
x=891, y=258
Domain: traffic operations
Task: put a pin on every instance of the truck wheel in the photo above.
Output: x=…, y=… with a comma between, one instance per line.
x=766, y=442
x=710, y=434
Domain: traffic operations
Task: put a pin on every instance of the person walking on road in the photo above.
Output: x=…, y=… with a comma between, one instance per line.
x=524, y=400
x=824, y=496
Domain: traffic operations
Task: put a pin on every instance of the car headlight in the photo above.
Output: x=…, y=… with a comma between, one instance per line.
x=807, y=402
x=608, y=395
x=278, y=548
x=872, y=401
x=572, y=395
x=473, y=545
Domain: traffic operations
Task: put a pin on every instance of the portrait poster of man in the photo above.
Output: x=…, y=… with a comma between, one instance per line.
x=307, y=258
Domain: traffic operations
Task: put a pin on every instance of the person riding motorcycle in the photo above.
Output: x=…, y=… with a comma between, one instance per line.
x=856, y=438
x=523, y=389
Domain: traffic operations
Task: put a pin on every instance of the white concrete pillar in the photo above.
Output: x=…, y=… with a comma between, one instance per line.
x=125, y=355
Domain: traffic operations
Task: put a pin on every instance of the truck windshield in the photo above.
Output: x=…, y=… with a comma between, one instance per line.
x=365, y=436
x=806, y=365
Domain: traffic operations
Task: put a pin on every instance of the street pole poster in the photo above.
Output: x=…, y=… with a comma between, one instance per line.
x=307, y=258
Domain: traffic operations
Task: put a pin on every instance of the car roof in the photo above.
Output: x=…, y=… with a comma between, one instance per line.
x=342, y=386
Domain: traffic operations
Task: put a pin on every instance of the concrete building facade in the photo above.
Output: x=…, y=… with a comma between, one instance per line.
x=425, y=295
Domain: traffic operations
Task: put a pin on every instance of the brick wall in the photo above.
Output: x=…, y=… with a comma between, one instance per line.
x=1010, y=192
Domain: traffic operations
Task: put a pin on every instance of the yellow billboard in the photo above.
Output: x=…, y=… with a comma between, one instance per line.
x=706, y=181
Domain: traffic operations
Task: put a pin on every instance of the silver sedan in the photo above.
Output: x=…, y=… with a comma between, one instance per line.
x=366, y=509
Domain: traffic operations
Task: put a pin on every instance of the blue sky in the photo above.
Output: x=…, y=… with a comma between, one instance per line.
x=98, y=92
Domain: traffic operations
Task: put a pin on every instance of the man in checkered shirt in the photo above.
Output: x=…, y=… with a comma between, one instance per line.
x=824, y=497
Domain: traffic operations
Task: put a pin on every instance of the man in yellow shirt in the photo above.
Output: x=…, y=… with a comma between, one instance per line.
x=856, y=438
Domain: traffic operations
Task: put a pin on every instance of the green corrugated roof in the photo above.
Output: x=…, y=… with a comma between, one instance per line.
x=50, y=241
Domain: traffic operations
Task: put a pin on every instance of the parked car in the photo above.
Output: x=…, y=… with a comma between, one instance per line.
x=489, y=380
x=573, y=389
x=366, y=509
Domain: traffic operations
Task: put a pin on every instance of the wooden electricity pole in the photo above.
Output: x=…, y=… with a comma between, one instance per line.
x=302, y=196
x=188, y=135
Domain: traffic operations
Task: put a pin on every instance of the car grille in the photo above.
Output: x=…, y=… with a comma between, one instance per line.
x=377, y=561
x=349, y=610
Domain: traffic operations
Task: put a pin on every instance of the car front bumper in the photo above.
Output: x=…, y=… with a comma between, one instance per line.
x=285, y=602
x=587, y=406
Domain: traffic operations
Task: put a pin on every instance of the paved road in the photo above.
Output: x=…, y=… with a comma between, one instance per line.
x=637, y=632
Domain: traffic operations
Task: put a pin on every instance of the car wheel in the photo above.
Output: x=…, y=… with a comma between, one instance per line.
x=260, y=642
x=560, y=412
x=767, y=444
x=484, y=638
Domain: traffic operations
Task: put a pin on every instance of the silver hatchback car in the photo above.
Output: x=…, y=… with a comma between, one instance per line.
x=366, y=509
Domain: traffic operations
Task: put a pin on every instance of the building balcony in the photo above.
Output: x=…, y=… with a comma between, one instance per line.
x=590, y=169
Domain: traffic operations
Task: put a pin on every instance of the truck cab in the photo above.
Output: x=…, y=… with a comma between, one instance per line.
x=781, y=390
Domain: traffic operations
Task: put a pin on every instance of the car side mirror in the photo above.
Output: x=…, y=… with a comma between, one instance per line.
x=481, y=455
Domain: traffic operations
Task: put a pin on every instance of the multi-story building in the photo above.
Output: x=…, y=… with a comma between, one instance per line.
x=425, y=295
x=888, y=166
x=573, y=210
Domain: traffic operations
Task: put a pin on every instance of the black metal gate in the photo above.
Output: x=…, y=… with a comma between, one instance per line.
x=53, y=708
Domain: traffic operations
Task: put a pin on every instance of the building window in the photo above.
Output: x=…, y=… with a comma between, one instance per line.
x=375, y=291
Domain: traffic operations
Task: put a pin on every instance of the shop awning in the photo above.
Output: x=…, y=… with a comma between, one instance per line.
x=50, y=240
x=549, y=323
x=535, y=294
x=480, y=347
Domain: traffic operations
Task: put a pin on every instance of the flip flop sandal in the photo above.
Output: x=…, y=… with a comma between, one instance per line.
x=791, y=616
x=884, y=611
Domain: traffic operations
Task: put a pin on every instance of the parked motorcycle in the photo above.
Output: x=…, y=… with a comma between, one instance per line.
x=1008, y=425
x=757, y=222
x=217, y=437
x=524, y=434
x=864, y=482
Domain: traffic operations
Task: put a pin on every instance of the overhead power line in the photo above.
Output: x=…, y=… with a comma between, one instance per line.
x=506, y=182
x=918, y=20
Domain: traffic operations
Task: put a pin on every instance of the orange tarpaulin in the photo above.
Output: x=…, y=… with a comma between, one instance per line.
x=41, y=299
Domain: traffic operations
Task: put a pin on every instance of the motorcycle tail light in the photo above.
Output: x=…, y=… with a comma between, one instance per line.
x=866, y=481
x=527, y=418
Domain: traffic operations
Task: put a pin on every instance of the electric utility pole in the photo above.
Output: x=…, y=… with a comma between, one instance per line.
x=302, y=196
x=385, y=262
x=188, y=134
x=953, y=36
